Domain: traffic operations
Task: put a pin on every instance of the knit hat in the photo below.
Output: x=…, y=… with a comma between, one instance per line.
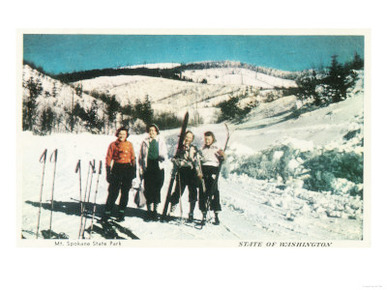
x=155, y=126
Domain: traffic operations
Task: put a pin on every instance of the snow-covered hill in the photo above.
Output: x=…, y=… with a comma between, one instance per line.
x=59, y=97
x=208, y=88
x=238, y=76
x=253, y=209
x=165, y=95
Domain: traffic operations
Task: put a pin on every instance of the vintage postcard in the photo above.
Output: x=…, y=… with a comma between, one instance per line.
x=207, y=138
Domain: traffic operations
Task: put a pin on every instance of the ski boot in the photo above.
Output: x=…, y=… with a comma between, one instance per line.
x=154, y=212
x=105, y=217
x=121, y=216
x=216, y=222
x=191, y=212
x=203, y=222
x=148, y=214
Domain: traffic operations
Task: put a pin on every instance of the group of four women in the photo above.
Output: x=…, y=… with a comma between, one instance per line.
x=196, y=169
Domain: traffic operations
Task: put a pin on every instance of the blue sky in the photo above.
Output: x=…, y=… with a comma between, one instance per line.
x=61, y=53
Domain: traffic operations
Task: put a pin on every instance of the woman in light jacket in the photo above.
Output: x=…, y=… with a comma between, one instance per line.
x=212, y=155
x=152, y=156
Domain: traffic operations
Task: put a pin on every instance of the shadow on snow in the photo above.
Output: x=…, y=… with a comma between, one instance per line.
x=108, y=231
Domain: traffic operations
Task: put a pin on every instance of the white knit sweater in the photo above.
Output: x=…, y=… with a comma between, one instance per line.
x=210, y=156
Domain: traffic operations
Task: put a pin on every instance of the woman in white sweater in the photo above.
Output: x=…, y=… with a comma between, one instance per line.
x=152, y=156
x=211, y=157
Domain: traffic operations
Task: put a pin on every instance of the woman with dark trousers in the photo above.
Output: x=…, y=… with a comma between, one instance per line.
x=211, y=157
x=188, y=174
x=120, y=176
x=153, y=153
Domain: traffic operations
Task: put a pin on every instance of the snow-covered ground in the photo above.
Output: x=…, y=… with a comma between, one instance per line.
x=238, y=76
x=274, y=142
x=251, y=209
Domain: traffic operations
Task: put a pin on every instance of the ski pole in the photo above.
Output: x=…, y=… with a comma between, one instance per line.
x=82, y=203
x=169, y=191
x=78, y=169
x=42, y=159
x=86, y=187
x=202, y=183
x=85, y=216
x=55, y=156
x=92, y=164
x=95, y=196
x=180, y=204
x=201, y=173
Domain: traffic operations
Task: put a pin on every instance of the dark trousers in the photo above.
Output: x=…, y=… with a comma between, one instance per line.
x=211, y=194
x=153, y=181
x=185, y=177
x=121, y=180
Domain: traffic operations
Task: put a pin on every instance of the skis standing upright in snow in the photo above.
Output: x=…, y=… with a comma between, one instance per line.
x=53, y=158
x=174, y=169
x=95, y=196
x=42, y=159
x=86, y=199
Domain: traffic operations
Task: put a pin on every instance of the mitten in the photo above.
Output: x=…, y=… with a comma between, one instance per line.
x=108, y=174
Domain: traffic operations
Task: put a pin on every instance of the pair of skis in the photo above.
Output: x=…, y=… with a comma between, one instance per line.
x=85, y=200
x=43, y=160
x=175, y=168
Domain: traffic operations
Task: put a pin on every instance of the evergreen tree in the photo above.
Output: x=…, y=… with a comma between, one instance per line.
x=144, y=110
x=340, y=78
x=307, y=83
x=335, y=79
x=127, y=114
x=231, y=110
x=79, y=90
x=47, y=121
x=112, y=108
x=358, y=62
x=92, y=122
x=331, y=85
x=54, y=91
x=89, y=116
x=34, y=88
x=167, y=120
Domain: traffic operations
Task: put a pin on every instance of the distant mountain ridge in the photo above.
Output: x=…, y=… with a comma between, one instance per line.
x=173, y=71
